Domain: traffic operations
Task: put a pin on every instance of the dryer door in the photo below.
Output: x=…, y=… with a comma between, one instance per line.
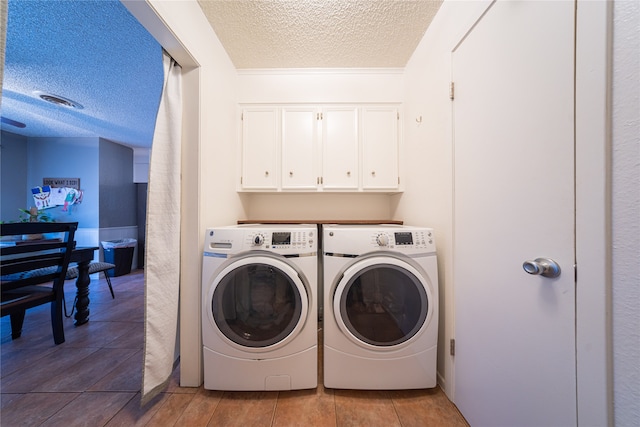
x=382, y=302
x=258, y=303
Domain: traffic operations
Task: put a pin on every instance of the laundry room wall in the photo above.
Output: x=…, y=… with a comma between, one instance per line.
x=626, y=213
x=427, y=200
x=327, y=86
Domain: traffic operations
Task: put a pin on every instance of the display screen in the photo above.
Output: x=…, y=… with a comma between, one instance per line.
x=404, y=238
x=281, y=238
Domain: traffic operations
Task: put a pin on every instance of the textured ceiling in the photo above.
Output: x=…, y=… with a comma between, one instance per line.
x=320, y=33
x=93, y=52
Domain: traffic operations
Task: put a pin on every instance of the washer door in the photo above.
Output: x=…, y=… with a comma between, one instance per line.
x=382, y=302
x=259, y=303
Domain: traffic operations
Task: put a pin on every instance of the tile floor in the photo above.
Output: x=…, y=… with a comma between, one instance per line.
x=94, y=378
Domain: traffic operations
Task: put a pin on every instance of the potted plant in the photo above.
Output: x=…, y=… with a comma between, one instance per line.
x=34, y=215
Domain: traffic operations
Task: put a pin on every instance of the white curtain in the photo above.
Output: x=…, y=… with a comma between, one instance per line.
x=162, y=258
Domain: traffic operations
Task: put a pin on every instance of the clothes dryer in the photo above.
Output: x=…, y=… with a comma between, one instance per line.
x=259, y=307
x=380, y=307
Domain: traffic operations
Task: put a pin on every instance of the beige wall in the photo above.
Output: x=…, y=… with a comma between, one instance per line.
x=626, y=212
x=321, y=86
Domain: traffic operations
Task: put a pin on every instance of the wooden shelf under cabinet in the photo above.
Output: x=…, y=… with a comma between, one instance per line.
x=321, y=221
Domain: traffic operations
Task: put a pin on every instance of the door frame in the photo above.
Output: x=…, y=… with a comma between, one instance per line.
x=594, y=378
x=593, y=203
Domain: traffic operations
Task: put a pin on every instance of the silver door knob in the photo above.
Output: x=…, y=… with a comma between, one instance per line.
x=542, y=267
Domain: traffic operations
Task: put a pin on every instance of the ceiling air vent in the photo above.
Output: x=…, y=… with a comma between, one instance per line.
x=12, y=122
x=58, y=100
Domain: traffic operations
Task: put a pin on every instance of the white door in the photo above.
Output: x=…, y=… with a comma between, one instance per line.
x=299, y=148
x=380, y=147
x=340, y=148
x=260, y=148
x=514, y=201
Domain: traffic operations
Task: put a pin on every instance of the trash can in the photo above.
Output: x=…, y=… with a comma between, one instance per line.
x=120, y=253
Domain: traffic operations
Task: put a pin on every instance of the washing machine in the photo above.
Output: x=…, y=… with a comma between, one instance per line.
x=259, y=307
x=380, y=307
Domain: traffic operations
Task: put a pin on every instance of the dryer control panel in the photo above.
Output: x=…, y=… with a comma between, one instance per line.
x=356, y=240
x=419, y=238
x=403, y=239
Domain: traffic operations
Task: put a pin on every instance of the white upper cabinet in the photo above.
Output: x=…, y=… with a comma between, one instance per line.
x=380, y=148
x=299, y=148
x=329, y=148
x=260, y=146
x=339, y=148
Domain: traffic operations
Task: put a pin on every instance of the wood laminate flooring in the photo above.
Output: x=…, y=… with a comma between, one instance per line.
x=94, y=379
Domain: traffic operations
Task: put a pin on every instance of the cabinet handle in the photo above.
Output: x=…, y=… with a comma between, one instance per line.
x=348, y=173
x=291, y=173
x=373, y=173
x=266, y=173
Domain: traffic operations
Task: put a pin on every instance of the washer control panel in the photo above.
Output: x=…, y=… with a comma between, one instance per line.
x=225, y=241
x=272, y=239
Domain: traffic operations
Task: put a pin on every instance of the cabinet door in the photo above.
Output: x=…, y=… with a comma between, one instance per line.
x=299, y=149
x=260, y=148
x=379, y=148
x=340, y=148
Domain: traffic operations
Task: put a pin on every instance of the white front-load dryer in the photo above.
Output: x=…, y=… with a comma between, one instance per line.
x=259, y=307
x=380, y=307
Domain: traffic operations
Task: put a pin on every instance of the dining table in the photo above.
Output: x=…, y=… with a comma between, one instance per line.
x=82, y=256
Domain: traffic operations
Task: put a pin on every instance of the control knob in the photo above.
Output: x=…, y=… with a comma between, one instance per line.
x=382, y=240
x=258, y=240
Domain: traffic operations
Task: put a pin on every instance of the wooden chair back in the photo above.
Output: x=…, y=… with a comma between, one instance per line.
x=32, y=272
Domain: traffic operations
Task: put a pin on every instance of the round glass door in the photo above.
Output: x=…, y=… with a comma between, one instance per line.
x=381, y=304
x=258, y=304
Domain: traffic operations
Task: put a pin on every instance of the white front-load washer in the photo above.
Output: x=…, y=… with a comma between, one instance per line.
x=380, y=307
x=259, y=307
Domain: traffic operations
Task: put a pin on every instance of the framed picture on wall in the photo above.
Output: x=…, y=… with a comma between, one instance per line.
x=62, y=182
